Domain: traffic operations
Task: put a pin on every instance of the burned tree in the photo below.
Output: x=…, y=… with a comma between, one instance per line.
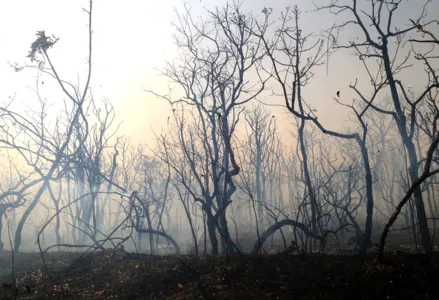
x=382, y=45
x=218, y=58
x=293, y=55
x=260, y=155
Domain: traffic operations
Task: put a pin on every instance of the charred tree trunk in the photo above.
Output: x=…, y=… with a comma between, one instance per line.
x=211, y=225
x=369, y=195
x=401, y=121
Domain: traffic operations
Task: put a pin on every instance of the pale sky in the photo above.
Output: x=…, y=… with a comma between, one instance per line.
x=133, y=38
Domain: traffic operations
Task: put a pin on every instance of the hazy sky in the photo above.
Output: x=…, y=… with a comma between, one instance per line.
x=132, y=38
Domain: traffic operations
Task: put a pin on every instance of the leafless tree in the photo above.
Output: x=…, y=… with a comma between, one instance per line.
x=293, y=56
x=217, y=56
x=260, y=155
x=382, y=44
x=41, y=61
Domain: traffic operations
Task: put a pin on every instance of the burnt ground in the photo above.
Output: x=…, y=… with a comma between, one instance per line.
x=106, y=275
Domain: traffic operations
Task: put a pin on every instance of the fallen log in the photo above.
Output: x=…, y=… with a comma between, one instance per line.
x=273, y=228
x=163, y=234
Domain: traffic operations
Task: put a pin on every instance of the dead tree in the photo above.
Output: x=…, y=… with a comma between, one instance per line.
x=90, y=162
x=41, y=61
x=259, y=154
x=376, y=18
x=287, y=52
x=216, y=59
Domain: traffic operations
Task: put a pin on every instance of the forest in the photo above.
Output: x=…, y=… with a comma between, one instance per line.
x=225, y=203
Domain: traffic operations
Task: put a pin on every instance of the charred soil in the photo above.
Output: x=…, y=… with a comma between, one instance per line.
x=106, y=275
